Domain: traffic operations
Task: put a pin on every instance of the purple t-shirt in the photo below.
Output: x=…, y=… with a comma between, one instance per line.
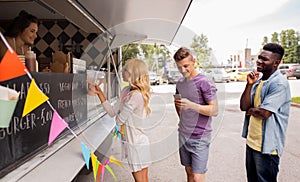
x=199, y=90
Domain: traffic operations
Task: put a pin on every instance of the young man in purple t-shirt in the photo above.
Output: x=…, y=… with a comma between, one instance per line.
x=198, y=103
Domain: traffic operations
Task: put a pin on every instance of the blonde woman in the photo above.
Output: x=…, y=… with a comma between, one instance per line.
x=131, y=112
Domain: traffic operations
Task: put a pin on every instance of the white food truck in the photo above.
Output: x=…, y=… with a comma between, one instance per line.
x=93, y=32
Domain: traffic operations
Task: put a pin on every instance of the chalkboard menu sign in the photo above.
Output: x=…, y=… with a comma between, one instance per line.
x=29, y=134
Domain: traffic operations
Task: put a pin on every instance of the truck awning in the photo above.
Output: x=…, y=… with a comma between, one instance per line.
x=155, y=21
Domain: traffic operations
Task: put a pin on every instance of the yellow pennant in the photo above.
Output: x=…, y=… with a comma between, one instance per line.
x=114, y=160
x=110, y=171
x=95, y=164
x=35, y=97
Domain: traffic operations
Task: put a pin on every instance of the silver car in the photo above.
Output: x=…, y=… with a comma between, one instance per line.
x=217, y=74
x=290, y=70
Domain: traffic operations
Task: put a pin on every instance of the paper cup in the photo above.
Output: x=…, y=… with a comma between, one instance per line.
x=7, y=108
x=4, y=93
x=8, y=94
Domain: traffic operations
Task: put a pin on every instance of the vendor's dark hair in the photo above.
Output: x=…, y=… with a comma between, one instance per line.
x=277, y=49
x=19, y=23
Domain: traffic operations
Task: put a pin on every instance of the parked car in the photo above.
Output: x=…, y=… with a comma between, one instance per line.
x=290, y=70
x=238, y=74
x=171, y=76
x=154, y=79
x=217, y=74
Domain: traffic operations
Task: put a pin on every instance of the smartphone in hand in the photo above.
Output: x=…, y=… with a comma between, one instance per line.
x=177, y=96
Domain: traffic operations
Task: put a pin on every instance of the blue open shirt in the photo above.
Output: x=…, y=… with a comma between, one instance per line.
x=275, y=97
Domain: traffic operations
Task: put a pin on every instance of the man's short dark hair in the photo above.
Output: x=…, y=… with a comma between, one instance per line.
x=182, y=53
x=275, y=48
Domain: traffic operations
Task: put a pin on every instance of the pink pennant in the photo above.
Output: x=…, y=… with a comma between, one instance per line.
x=57, y=126
x=100, y=178
x=103, y=169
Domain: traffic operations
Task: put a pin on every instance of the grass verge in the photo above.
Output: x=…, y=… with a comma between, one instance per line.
x=296, y=100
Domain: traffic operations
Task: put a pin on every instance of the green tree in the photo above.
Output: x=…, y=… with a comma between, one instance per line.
x=289, y=40
x=155, y=56
x=148, y=51
x=274, y=38
x=265, y=40
x=202, y=51
x=130, y=51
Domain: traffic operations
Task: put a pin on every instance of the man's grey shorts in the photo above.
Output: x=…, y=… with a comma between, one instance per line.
x=194, y=153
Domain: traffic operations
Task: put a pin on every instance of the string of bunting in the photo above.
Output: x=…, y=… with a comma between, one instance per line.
x=35, y=97
x=119, y=131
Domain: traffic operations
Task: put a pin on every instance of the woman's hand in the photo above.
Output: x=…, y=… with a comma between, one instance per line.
x=92, y=88
x=98, y=89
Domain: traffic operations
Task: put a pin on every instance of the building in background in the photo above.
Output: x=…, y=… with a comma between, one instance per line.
x=243, y=59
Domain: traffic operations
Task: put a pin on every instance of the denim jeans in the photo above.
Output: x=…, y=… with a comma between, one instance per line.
x=261, y=167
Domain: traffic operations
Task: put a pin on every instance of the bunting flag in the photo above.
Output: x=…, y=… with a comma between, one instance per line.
x=119, y=131
x=102, y=172
x=57, y=126
x=114, y=160
x=86, y=154
x=110, y=171
x=35, y=97
x=95, y=164
x=100, y=167
x=11, y=66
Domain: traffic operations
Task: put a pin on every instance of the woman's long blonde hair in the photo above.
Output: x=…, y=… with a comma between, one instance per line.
x=139, y=80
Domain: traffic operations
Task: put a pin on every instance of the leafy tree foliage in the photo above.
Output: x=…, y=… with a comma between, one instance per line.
x=130, y=51
x=202, y=51
x=153, y=55
x=289, y=40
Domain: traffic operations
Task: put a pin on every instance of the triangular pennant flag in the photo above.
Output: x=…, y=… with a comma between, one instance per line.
x=95, y=163
x=99, y=172
x=57, y=126
x=11, y=66
x=110, y=171
x=86, y=154
x=119, y=131
x=35, y=97
x=102, y=172
x=114, y=160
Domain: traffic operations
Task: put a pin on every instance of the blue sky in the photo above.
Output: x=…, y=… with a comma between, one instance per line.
x=230, y=24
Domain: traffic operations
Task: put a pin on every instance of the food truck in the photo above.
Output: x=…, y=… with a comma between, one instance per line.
x=88, y=34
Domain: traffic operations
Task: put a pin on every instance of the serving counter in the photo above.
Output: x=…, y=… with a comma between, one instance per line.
x=24, y=151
